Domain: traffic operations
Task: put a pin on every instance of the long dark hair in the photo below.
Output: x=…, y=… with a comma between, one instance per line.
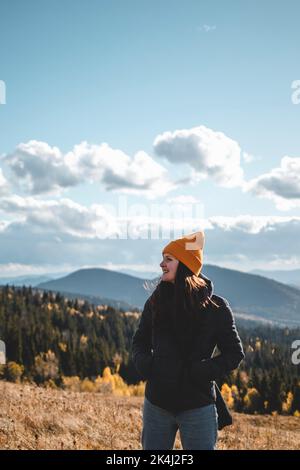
x=177, y=305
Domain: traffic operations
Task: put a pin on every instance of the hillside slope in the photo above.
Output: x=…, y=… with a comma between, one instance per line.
x=32, y=417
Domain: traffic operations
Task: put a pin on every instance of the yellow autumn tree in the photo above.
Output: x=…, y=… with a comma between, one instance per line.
x=227, y=395
x=71, y=383
x=87, y=385
x=251, y=400
x=46, y=365
x=287, y=404
x=108, y=384
x=14, y=371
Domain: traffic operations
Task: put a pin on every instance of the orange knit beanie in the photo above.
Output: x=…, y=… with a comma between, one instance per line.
x=188, y=250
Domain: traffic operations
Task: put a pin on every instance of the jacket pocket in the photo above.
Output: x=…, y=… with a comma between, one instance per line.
x=144, y=364
x=165, y=368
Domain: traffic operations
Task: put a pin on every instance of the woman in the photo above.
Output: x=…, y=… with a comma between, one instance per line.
x=181, y=325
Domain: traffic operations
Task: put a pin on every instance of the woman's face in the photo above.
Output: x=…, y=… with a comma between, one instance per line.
x=169, y=267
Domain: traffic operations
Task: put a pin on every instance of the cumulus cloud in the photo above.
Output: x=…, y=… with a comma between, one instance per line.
x=210, y=153
x=37, y=168
x=251, y=224
x=281, y=185
x=248, y=242
x=4, y=185
x=63, y=232
x=121, y=220
x=249, y=158
x=59, y=217
x=116, y=170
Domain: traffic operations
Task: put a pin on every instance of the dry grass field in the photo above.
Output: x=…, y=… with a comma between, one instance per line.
x=33, y=417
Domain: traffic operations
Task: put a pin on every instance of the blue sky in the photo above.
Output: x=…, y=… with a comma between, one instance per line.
x=125, y=73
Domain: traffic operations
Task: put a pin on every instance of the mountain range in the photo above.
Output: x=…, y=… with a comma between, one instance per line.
x=250, y=295
x=291, y=277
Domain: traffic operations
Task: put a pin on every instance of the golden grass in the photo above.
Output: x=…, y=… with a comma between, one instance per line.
x=34, y=417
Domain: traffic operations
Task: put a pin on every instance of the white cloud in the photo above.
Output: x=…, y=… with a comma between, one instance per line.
x=249, y=242
x=183, y=199
x=37, y=168
x=62, y=216
x=280, y=185
x=63, y=232
x=249, y=158
x=185, y=207
x=12, y=270
x=207, y=28
x=4, y=186
x=3, y=225
x=65, y=216
x=251, y=224
x=210, y=153
x=18, y=269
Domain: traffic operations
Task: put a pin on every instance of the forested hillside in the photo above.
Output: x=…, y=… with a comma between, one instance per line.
x=50, y=338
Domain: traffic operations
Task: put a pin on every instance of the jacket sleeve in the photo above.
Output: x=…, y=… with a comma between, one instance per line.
x=141, y=343
x=229, y=345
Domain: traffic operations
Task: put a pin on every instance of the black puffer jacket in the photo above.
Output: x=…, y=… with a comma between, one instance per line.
x=176, y=382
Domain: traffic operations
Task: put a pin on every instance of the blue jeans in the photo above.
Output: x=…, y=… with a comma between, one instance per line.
x=198, y=427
